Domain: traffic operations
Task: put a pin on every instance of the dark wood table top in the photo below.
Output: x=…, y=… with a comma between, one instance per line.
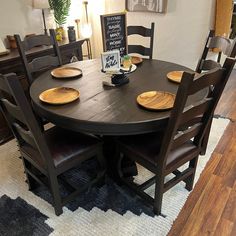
x=109, y=111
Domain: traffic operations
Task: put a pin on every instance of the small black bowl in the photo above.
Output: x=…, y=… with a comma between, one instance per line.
x=119, y=79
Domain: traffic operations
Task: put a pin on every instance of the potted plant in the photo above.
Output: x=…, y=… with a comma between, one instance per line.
x=61, y=11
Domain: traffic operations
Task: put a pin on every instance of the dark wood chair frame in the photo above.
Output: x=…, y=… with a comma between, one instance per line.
x=186, y=123
x=40, y=63
x=26, y=130
x=222, y=44
x=145, y=32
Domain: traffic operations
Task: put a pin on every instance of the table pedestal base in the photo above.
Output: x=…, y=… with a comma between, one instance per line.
x=112, y=156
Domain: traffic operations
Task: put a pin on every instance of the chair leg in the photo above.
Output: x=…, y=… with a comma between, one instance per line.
x=32, y=183
x=190, y=180
x=53, y=181
x=159, y=191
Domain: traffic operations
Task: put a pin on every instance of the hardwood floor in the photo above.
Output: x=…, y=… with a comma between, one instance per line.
x=211, y=207
x=227, y=103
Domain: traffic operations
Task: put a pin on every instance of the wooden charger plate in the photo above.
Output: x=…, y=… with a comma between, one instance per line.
x=136, y=60
x=59, y=95
x=66, y=72
x=156, y=100
x=175, y=76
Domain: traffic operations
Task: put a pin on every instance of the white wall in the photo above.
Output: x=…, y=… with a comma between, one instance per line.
x=180, y=33
x=95, y=9
x=17, y=16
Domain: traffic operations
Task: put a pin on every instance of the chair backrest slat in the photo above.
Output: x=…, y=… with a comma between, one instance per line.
x=188, y=122
x=206, y=80
x=140, y=49
x=209, y=65
x=139, y=30
x=40, y=63
x=13, y=110
x=25, y=135
x=37, y=40
x=183, y=136
x=195, y=111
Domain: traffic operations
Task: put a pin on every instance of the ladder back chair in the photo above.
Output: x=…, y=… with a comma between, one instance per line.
x=222, y=44
x=40, y=63
x=145, y=32
x=47, y=154
x=164, y=153
x=225, y=46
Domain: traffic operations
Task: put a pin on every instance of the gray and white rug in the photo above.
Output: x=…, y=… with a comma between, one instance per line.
x=108, y=210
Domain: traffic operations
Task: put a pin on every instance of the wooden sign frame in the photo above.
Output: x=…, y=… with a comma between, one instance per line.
x=116, y=55
x=102, y=17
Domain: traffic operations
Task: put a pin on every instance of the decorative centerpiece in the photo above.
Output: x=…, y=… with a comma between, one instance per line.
x=61, y=11
x=127, y=62
x=111, y=65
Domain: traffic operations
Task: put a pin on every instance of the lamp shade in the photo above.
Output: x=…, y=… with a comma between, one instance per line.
x=41, y=4
x=86, y=30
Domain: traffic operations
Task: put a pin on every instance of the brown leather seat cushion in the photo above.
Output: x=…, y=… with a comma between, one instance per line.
x=147, y=146
x=64, y=145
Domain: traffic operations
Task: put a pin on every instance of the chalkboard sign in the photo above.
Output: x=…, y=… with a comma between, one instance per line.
x=114, y=33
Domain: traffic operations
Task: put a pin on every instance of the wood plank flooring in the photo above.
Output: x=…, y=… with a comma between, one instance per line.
x=211, y=207
x=227, y=103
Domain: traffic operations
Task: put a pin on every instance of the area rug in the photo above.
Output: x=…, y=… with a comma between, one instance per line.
x=107, y=210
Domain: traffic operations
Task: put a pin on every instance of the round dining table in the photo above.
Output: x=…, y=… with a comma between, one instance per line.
x=103, y=110
x=109, y=111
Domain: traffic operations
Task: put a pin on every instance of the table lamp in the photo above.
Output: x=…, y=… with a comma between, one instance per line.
x=42, y=4
x=86, y=28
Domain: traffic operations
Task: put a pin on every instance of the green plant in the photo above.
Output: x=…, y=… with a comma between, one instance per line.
x=61, y=10
x=127, y=57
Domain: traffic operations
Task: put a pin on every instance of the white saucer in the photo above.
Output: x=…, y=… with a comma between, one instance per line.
x=133, y=68
x=126, y=70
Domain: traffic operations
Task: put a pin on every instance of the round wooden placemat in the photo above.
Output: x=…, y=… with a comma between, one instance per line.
x=59, y=95
x=175, y=76
x=156, y=100
x=66, y=72
x=136, y=60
